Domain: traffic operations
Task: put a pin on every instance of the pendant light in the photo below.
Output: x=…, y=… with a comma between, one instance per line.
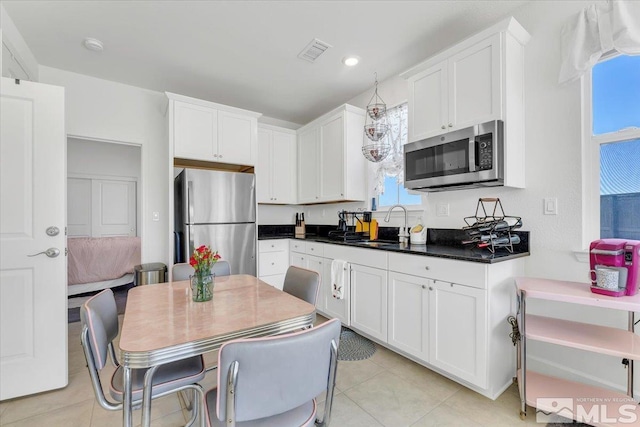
x=375, y=146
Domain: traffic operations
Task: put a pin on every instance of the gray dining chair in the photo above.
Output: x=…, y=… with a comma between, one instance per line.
x=99, y=318
x=302, y=283
x=274, y=381
x=182, y=271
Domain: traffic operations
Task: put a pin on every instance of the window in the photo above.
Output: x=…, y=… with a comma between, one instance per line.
x=390, y=172
x=614, y=134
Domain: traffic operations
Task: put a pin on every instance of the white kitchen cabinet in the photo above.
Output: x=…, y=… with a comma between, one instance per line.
x=276, y=165
x=458, y=331
x=478, y=80
x=309, y=165
x=298, y=260
x=331, y=167
x=316, y=264
x=369, y=300
x=333, y=307
x=273, y=261
x=408, y=314
x=206, y=131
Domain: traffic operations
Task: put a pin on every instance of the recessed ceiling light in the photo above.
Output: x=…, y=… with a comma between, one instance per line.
x=93, y=44
x=350, y=61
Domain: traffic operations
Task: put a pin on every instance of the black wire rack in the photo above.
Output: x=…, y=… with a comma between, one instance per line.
x=491, y=228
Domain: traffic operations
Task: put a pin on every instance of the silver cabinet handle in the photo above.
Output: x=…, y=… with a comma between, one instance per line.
x=444, y=127
x=220, y=156
x=430, y=288
x=450, y=125
x=426, y=267
x=424, y=286
x=51, y=253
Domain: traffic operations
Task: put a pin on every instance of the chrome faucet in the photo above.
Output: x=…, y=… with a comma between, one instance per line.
x=403, y=236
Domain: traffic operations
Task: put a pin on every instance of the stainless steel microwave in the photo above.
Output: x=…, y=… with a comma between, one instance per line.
x=467, y=158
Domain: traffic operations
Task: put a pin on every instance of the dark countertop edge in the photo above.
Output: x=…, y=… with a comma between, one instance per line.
x=501, y=256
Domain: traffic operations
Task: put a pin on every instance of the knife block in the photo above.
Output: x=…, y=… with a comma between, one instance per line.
x=300, y=230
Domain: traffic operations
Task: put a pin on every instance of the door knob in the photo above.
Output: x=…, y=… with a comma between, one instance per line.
x=51, y=253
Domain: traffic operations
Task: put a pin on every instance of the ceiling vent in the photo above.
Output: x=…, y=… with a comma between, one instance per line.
x=313, y=50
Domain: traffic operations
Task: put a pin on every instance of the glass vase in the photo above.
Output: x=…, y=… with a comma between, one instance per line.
x=202, y=286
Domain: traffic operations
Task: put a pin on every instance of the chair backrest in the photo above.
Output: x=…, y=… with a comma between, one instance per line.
x=221, y=268
x=181, y=271
x=278, y=374
x=302, y=283
x=100, y=315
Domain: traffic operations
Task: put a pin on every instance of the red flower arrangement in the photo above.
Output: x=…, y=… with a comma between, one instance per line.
x=203, y=259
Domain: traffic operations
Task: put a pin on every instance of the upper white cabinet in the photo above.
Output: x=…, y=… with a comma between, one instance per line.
x=202, y=130
x=331, y=167
x=478, y=80
x=276, y=165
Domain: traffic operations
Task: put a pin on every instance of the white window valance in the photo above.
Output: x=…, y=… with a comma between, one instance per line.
x=393, y=165
x=598, y=29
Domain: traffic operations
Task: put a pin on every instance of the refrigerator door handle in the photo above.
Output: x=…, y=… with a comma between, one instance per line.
x=188, y=206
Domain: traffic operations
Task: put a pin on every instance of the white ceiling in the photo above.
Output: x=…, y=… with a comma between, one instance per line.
x=244, y=53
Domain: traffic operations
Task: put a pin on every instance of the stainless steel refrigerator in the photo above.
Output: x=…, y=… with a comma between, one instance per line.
x=217, y=209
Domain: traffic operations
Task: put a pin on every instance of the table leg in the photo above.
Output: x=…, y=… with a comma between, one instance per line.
x=147, y=391
x=126, y=404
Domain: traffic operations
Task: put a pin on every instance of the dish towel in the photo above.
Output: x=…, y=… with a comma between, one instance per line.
x=338, y=278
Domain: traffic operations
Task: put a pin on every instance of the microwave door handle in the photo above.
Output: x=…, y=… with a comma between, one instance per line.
x=472, y=155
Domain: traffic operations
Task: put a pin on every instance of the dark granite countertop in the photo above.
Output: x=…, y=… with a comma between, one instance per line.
x=442, y=243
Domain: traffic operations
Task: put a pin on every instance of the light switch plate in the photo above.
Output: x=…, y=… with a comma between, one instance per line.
x=551, y=206
x=442, y=209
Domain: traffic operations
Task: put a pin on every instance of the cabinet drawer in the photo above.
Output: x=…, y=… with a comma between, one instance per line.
x=273, y=263
x=314, y=248
x=297, y=246
x=446, y=270
x=273, y=245
x=369, y=257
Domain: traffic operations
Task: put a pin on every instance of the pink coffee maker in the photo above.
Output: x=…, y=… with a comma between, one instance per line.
x=615, y=266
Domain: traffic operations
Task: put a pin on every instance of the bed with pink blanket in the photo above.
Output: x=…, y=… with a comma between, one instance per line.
x=99, y=263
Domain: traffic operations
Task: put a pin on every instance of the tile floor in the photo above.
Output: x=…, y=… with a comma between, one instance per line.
x=385, y=390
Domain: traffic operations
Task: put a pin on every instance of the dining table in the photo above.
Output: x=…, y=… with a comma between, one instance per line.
x=163, y=324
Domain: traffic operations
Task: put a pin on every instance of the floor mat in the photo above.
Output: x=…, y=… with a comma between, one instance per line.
x=119, y=292
x=354, y=347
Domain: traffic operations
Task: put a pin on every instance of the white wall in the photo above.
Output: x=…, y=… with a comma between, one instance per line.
x=105, y=110
x=15, y=44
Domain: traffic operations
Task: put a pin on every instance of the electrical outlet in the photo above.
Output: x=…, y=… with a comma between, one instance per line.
x=442, y=209
x=551, y=206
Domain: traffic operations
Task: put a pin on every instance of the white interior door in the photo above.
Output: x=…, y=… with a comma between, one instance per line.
x=33, y=289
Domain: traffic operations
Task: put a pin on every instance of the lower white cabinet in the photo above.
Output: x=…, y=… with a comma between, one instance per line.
x=408, y=314
x=458, y=331
x=369, y=300
x=273, y=261
x=316, y=264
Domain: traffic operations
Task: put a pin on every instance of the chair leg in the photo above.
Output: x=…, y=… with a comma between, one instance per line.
x=185, y=400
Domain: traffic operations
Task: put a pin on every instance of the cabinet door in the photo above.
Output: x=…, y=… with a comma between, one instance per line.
x=458, y=331
x=428, y=103
x=316, y=263
x=474, y=84
x=332, y=307
x=195, y=132
x=369, y=301
x=235, y=138
x=263, y=167
x=308, y=165
x=299, y=260
x=332, y=159
x=409, y=314
x=283, y=168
